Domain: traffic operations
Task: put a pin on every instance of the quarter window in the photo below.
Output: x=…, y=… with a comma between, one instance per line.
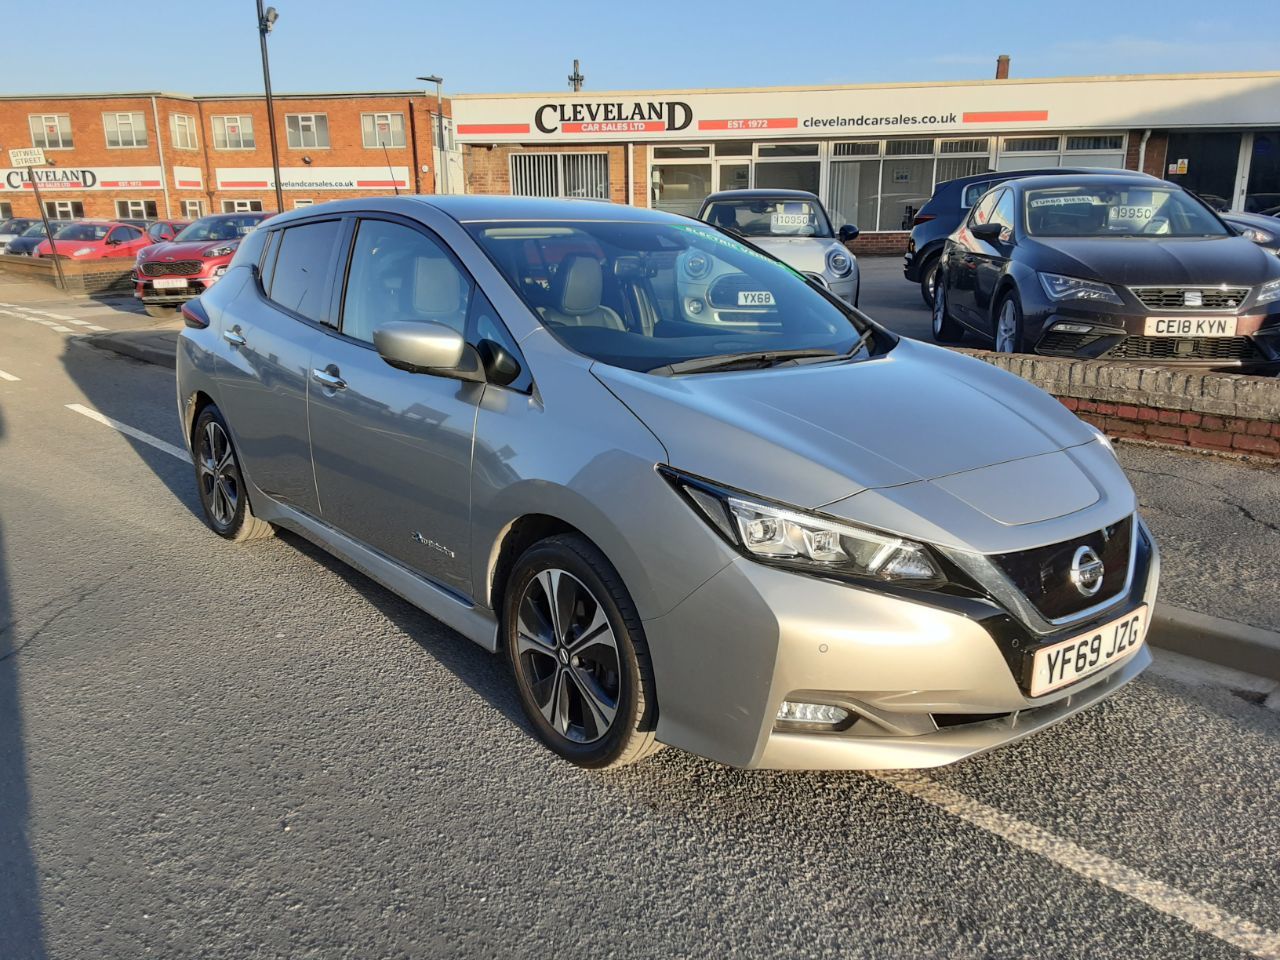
x=125, y=129
x=183, y=130
x=982, y=212
x=382, y=129
x=233, y=133
x=398, y=273
x=1003, y=215
x=300, y=279
x=307, y=131
x=51, y=131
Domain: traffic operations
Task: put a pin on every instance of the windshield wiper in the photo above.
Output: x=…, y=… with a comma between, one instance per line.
x=754, y=359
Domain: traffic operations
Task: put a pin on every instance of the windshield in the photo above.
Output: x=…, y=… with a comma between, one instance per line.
x=646, y=295
x=1118, y=211
x=769, y=218
x=37, y=229
x=14, y=226
x=218, y=228
x=82, y=231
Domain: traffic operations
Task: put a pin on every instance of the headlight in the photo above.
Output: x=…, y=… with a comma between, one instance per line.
x=82, y=252
x=777, y=535
x=839, y=263
x=1256, y=235
x=1071, y=288
x=221, y=251
x=1269, y=291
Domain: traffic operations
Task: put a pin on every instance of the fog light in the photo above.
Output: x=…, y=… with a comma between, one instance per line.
x=1072, y=327
x=822, y=713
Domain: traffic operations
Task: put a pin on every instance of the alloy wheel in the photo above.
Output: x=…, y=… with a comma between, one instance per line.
x=1007, y=328
x=219, y=476
x=567, y=656
x=939, y=307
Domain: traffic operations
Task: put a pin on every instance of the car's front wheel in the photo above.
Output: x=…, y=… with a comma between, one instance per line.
x=220, y=481
x=1009, y=324
x=945, y=329
x=578, y=653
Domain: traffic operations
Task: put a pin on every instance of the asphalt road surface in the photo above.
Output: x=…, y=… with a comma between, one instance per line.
x=211, y=750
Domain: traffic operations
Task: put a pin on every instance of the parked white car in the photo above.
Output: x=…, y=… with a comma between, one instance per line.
x=793, y=226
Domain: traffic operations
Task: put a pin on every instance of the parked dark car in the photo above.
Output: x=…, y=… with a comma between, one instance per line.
x=25, y=243
x=1111, y=268
x=950, y=203
x=1258, y=227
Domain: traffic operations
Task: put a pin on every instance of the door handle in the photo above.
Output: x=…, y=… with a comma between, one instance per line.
x=233, y=337
x=328, y=379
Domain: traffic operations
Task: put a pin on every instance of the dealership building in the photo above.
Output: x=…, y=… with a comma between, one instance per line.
x=165, y=155
x=874, y=153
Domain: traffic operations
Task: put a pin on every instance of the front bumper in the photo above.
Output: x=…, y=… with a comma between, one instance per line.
x=144, y=288
x=928, y=681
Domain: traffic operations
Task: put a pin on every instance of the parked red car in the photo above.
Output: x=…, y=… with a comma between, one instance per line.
x=166, y=275
x=93, y=240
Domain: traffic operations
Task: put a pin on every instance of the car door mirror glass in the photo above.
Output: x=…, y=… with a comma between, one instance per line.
x=500, y=366
x=427, y=347
x=847, y=233
x=988, y=232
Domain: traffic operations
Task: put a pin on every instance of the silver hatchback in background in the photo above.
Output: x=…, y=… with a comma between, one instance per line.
x=775, y=535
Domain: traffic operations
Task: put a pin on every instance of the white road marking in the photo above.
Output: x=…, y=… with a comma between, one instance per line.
x=1205, y=917
x=47, y=323
x=129, y=431
x=9, y=376
x=81, y=323
x=95, y=327
x=59, y=328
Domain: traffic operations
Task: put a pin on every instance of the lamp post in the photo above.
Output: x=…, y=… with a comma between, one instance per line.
x=442, y=165
x=266, y=20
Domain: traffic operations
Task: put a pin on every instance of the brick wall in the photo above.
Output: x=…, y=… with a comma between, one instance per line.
x=1157, y=147
x=881, y=244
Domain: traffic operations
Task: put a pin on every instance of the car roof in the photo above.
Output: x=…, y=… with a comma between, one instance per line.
x=479, y=208
x=1073, y=180
x=1040, y=172
x=760, y=194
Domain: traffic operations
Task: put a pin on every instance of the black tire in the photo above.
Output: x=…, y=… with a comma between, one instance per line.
x=928, y=277
x=1011, y=301
x=945, y=329
x=161, y=311
x=224, y=499
x=548, y=663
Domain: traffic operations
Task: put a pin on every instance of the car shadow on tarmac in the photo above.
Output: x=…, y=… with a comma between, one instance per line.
x=21, y=925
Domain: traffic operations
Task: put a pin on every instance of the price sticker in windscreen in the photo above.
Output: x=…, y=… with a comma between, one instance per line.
x=1130, y=215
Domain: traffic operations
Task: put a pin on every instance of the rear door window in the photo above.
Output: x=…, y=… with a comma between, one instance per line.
x=300, y=278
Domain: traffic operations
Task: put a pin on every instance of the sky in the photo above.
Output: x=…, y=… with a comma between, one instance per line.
x=488, y=46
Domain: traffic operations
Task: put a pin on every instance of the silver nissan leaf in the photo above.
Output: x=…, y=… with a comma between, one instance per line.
x=762, y=529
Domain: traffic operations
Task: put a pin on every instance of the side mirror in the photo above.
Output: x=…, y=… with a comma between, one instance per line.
x=500, y=366
x=847, y=233
x=428, y=348
x=987, y=232
x=111, y=241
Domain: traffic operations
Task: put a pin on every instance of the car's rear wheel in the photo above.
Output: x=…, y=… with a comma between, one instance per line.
x=945, y=330
x=1009, y=324
x=220, y=482
x=929, y=279
x=161, y=311
x=578, y=653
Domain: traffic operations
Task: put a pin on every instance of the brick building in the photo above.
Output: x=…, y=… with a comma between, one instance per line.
x=171, y=155
x=874, y=153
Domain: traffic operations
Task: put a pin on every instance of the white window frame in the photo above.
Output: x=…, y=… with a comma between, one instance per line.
x=183, y=126
x=241, y=206
x=57, y=208
x=375, y=118
x=303, y=202
x=6, y=210
x=140, y=213
x=42, y=121
x=192, y=209
x=241, y=120
x=308, y=124
x=134, y=122
x=553, y=175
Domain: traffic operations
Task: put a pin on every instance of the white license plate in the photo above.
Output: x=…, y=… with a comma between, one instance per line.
x=169, y=283
x=1070, y=660
x=1190, y=327
x=755, y=298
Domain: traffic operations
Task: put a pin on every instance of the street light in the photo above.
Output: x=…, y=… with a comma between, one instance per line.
x=266, y=20
x=442, y=165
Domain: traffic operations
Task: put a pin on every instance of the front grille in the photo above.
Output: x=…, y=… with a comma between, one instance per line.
x=178, y=268
x=1175, y=298
x=1043, y=574
x=1184, y=348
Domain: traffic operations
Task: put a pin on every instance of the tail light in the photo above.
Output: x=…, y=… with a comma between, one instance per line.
x=195, y=315
x=923, y=218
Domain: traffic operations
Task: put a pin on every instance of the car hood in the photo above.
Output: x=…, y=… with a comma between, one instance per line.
x=1162, y=260
x=183, y=250
x=812, y=435
x=806, y=254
